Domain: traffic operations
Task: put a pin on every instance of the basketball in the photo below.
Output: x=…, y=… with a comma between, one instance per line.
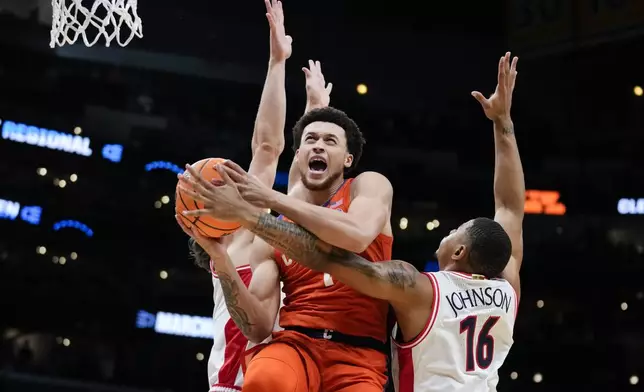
x=207, y=225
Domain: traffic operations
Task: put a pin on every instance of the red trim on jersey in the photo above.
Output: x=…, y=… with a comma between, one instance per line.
x=430, y=321
x=238, y=269
x=405, y=370
x=221, y=387
x=235, y=345
x=466, y=275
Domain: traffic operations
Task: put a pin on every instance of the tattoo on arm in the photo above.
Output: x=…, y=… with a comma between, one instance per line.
x=293, y=240
x=301, y=245
x=508, y=130
x=231, y=295
x=402, y=275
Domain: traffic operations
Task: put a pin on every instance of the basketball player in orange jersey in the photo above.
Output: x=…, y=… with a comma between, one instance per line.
x=456, y=325
x=334, y=338
x=224, y=365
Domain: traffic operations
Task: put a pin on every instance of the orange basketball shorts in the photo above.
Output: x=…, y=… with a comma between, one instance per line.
x=293, y=362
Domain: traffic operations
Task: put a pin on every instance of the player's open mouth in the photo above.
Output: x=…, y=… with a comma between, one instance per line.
x=317, y=165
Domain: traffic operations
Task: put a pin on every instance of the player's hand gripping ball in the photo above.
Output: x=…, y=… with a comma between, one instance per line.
x=206, y=225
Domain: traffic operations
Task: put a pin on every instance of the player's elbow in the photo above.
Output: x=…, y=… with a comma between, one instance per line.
x=358, y=242
x=261, y=325
x=258, y=333
x=362, y=235
x=267, y=145
x=514, y=205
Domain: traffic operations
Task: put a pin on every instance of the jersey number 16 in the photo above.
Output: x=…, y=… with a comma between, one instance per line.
x=483, y=345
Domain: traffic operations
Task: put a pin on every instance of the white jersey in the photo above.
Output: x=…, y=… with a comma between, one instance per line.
x=229, y=344
x=465, y=341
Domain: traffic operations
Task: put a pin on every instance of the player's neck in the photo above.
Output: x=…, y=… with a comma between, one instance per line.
x=319, y=197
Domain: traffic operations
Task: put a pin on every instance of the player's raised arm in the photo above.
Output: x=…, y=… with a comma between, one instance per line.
x=268, y=136
x=318, y=95
x=509, y=184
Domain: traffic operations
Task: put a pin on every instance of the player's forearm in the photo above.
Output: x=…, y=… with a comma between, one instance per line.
x=384, y=280
x=244, y=308
x=293, y=240
x=312, y=105
x=333, y=227
x=271, y=115
x=509, y=184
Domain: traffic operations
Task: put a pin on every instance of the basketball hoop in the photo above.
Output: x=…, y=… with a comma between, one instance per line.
x=70, y=19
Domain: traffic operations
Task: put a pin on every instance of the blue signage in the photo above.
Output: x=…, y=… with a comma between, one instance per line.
x=630, y=206
x=46, y=138
x=176, y=324
x=163, y=165
x=113, y=152
x=73, y=224
x=11, y=210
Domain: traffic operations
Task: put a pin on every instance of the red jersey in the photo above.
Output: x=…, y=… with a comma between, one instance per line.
x=315, y=300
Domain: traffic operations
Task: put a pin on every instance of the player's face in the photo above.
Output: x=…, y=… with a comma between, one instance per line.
x=452, y=247
x=323, y=155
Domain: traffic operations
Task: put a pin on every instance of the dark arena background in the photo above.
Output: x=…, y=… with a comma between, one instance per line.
x=97, y=290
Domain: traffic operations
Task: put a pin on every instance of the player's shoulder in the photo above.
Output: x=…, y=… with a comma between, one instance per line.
x=371, y=176
x=370, y=182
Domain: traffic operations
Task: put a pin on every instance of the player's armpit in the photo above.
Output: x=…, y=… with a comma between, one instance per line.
x=264, y=286
x=253, y=309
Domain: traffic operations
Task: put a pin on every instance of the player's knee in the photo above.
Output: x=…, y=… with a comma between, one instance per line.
x=270, y=375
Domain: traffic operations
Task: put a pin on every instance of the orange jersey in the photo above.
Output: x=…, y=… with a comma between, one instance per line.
x=315, y=300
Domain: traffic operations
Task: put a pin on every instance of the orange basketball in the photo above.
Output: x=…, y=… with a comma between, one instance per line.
x=207, y=225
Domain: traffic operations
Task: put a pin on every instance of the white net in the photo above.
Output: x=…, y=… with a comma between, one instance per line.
x=71, y=20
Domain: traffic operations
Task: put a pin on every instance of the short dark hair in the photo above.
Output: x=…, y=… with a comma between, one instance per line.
x=355, y=139
x=201, y=257
x=490, y=247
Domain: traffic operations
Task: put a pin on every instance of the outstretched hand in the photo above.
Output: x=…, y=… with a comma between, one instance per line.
x=318, y=93
x=281, y=47
x=497, y=107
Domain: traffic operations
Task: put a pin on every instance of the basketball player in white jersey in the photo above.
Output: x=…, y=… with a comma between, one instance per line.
x=224, y=364
x=455, y=326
